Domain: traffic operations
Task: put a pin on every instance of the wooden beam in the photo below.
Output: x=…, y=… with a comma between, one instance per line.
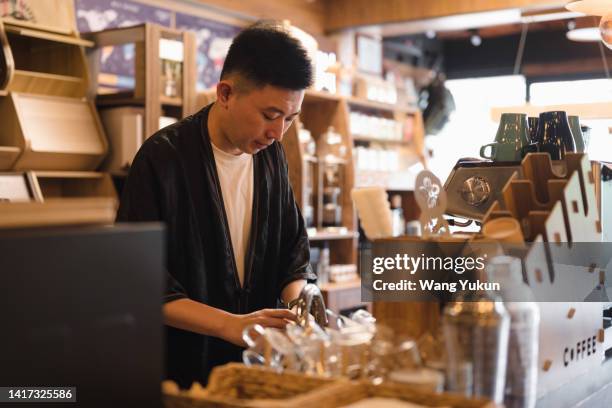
x=307, y=15
x=571, y=66
x=344, y=14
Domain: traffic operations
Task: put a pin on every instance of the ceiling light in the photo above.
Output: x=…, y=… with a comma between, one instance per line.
x=585, y=34
x=591, y=7
x=597, y=8
x=475, y=39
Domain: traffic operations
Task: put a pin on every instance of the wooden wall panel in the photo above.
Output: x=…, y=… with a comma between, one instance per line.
x=351, y=13
x=307, y=15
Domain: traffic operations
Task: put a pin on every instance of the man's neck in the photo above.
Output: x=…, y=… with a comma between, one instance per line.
x=217, y=136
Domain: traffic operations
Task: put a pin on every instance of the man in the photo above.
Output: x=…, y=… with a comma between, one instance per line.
x=236, y=240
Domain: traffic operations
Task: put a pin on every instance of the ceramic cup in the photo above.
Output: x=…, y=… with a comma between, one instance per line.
x=504, y=229
x=554, y=135
x=511, y=139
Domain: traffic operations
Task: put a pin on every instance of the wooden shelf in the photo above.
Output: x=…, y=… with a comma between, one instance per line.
x=8, y=156
x=335, y=286
x=322, y=235
x=48, y=76
x=119, y=99
x=342, y=296
x=127, y=98
x=70, y=174
x=170, y=101
x=47, y=83
x=314, y=96
x=35, y=33
x=388, y=187
x=364, y=103
x=147, y=91
x=359, y=138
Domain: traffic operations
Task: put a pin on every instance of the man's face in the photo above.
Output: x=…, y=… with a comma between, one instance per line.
x=260, y=116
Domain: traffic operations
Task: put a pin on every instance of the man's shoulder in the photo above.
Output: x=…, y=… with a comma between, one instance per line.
x=183, y=134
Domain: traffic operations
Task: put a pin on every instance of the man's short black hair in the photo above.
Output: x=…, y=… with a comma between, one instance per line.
x=266, y=54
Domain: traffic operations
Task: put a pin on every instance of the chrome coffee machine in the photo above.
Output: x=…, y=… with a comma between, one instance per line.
x=474, y=185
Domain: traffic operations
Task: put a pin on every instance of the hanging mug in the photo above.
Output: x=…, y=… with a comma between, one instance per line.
x=511, y=140
x=532, y=123
x=554, y=134
x=574, y=122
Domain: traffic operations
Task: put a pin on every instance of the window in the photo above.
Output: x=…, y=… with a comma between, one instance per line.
x=471, y=125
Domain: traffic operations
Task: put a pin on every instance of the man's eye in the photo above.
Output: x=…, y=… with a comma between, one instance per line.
x=268, y=117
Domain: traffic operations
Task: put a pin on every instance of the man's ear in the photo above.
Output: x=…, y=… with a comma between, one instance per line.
x=224, y=90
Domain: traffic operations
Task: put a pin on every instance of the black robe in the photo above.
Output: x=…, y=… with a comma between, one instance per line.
x=174, y=179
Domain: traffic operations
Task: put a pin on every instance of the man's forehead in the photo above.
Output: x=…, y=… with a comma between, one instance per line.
x=279, y=100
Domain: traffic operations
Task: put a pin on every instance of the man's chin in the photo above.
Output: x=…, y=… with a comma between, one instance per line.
x=257, y=147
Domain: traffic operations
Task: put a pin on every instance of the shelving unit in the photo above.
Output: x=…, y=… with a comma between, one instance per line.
x=148, y=91
x=328, y=236
x=48, y=123
x=319, y=111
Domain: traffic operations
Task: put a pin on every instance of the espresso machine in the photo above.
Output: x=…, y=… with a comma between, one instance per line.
x=553, y=198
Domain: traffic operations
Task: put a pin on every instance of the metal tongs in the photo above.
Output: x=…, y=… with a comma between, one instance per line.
x=311, y=303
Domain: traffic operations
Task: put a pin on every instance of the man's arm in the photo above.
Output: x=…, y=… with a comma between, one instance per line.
x=187, y=314
x=292, y=290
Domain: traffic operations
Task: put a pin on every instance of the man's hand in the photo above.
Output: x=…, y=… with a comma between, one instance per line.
x=197, y=317
x=277, y=318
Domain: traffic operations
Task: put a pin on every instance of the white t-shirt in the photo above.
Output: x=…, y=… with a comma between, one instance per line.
x=236, y=178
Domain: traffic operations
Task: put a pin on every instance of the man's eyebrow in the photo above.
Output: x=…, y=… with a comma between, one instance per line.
x=280, y=111
x=275, y=110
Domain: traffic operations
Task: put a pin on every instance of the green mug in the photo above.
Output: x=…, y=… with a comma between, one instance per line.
x=511, y=139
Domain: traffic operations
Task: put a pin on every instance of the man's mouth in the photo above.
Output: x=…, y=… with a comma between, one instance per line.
x=261, y=145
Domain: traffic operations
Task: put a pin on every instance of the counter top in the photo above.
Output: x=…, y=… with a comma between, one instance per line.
x=590, y=390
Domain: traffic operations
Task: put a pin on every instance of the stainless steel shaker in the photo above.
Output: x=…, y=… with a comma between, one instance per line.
x=476, y=328
x=522, y=367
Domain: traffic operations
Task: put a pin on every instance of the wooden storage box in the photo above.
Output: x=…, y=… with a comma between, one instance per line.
x=54, y=133
x=64, y=184
x=42, y=62
x=124, y=127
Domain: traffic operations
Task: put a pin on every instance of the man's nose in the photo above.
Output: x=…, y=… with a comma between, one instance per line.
x=276, y=130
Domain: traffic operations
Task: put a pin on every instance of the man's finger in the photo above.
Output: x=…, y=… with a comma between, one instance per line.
x=273, y=322
x=280, y=313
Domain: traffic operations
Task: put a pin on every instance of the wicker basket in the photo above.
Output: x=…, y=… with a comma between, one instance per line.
x=237, y=386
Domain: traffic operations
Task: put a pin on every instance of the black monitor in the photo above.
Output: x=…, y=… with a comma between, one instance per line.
x=81, y=307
